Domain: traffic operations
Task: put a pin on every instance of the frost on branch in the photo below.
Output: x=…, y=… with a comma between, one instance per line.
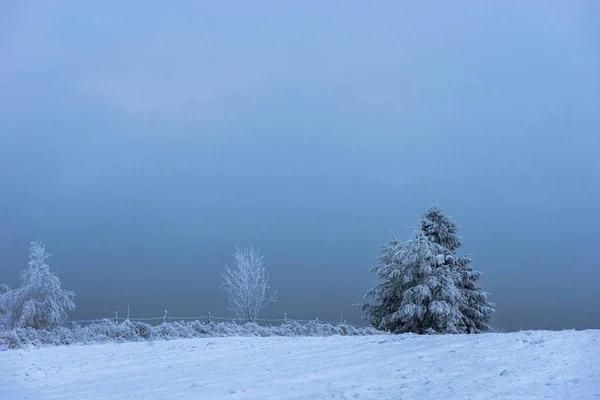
x=247, y=285
x=40, y=302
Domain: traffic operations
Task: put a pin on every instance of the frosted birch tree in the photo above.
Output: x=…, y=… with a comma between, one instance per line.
x=40, y=302
x=247, y=285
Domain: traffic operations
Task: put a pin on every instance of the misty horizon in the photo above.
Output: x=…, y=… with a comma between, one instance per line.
x=142, y=150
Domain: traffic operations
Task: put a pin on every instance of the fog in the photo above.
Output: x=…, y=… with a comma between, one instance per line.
x=143, y=141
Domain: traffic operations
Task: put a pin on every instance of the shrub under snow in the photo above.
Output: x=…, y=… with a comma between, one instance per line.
x=108, y=331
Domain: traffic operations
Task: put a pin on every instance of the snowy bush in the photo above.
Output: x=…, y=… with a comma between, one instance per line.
x=40, y=302
x=102, y=331
x=247, y=284
x=426, y=287
x=144, y=330
x=10, y=339
x=105, y=331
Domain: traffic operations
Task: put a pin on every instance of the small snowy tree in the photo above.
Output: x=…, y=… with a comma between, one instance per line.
x=40, y=302
x=247, y=285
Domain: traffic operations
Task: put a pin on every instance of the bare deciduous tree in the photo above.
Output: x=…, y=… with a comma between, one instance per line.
x=247, y=284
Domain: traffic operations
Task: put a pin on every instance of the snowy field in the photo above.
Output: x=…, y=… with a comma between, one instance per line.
x=523, y=365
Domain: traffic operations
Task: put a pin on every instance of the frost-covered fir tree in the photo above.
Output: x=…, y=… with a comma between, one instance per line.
x=440, y=228
x=476, y=309
x=426, y=287
x=443, y=230
x=40, y=302
x=418, y=292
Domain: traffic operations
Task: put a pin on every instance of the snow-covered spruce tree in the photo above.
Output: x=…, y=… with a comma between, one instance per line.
x=40, y=302
x=247, y=284
x=476, y=309
x=426, y=286
x=418, y=292
x=474, y=306
x=440, y=228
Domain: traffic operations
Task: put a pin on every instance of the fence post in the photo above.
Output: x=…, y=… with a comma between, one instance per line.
x=165, y=317
x=116, y=317
x=127, y=312
x=208, y=317
x=341, y=318
x=284, y=317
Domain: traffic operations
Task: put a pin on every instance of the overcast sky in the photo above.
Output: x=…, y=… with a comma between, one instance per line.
x=142, y=141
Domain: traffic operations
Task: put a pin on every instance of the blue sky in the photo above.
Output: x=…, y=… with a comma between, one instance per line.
x=143, y=141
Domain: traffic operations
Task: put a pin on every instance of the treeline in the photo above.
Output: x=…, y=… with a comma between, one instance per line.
x=426, y=287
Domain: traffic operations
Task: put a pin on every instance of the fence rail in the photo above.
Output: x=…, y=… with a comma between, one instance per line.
x=210, y=318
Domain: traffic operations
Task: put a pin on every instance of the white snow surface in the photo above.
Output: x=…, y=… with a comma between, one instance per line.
x=523, y=365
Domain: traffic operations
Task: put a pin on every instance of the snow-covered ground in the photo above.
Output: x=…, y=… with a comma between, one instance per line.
x=523, y=365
